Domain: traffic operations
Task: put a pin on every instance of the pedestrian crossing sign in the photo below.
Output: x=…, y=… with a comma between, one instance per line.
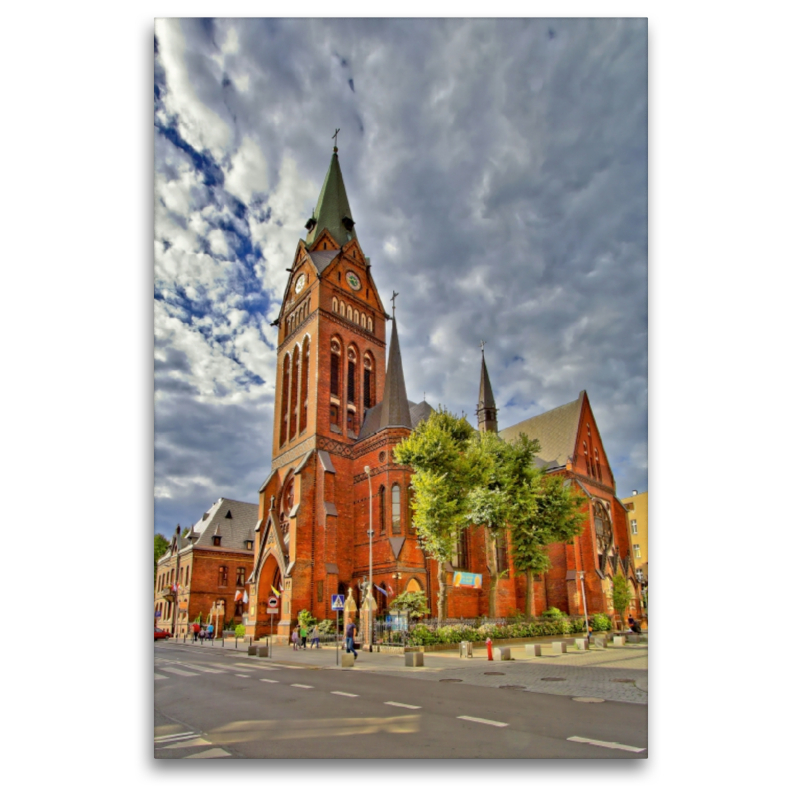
x=337, y=602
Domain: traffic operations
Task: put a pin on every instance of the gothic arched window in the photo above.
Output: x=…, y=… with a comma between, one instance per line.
x=335, y=306
x=602, y=527
x=285, y=399
x=382, y=508
x=295, y=387
x=351, y=375
x=336, y=379
x=350, y=313
x=369, y=383
x=396, y=510
x=363, y=320
x=369, y=324
x=304, y=387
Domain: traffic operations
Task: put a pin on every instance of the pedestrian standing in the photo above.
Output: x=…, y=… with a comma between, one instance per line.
x=315, y=637
x=303, y=636
x=631, y=622
x=589, y=632
x=349, y=640
x=195, y=630
x=210, y=632
x=294, y=639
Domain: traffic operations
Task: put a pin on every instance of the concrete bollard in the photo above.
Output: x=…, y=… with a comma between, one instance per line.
x=533, y=649
x=600, y=641
x=465, y=650
x=569, y=642
x=619, y=641
x=633, y=638
x=252, y=649
x=581, y=644
x=415, y=659
x=504, y=653
x=559, y=647
x=263, y=651
x=348, y=660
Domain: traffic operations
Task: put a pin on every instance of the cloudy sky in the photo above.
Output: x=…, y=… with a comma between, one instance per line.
x=497, y=174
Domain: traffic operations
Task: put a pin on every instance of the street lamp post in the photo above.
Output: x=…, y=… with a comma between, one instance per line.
x=585, y=612
x=369, y=594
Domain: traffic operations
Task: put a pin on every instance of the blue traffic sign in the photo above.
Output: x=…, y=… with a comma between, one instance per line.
x=337, y=602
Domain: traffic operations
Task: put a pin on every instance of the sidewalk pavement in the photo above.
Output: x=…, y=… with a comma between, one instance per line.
x=616, y=673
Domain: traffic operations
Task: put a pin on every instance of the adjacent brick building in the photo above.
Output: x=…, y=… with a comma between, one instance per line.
x=209, y=564
x=341, y=408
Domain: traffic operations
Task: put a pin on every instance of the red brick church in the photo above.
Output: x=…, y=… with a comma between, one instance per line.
x=340, y=408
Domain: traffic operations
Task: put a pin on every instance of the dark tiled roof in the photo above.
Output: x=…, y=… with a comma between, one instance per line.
x=332, y=207
x=485, y=395
x=321, y=258
x=556, y=430
x=234, y=530
x=419, y=412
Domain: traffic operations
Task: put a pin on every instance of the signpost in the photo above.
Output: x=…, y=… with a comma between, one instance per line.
x=337, y=605
x=272, y=608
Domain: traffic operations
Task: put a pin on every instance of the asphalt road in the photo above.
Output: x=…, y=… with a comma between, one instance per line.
x=215, y=705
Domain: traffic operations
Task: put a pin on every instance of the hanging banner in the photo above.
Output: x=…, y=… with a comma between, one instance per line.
x=473, y=579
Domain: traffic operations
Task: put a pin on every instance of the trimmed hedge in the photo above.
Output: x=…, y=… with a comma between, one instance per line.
x=421, y=634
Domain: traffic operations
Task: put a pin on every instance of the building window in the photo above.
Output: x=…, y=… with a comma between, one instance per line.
x=187, y=577
x=285, y=400
x=223, y=576
x=382, y=507
x=335, y=373
x=396, y=510
x=502, y=554
x=351, y=422
x=238, y=609
x=637, y=552
x=634, y=528
x=368, y=383
x=351, y=375
x=295, y=388
x=240, y=576
x=461, y=560
x=320, y=591
x=640, y=575
x=217, y=541
x=369, y=324
x=249, y=544
x=304, y=388
x=335, y=415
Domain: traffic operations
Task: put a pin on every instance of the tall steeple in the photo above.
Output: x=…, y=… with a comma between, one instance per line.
x=487, y=411
x=333, y=210
x=394, y=410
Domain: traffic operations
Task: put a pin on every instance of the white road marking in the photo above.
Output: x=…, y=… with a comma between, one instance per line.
x=399, y=705
x=241, y=676
x=345, y=694
x=611, y=745
x=302, y=686
x=174, y=737
x=216, y=752
x=486, y=721
x=267, y=680
x=177, y=671
x=202, y=668
x=195, y=741
x=158, y=677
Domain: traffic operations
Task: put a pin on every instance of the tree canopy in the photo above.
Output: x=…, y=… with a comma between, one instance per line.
x=160, y=546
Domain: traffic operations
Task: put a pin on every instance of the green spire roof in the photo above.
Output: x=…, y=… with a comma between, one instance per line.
x=332, y=208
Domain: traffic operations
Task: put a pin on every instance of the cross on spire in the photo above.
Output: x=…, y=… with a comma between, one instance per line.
x=335, y=140
x=482, y=344
x=394, y=294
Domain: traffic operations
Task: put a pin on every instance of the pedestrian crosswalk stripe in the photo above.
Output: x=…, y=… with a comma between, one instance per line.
x=302, y=686
x=176, y=671
x=159, y=677
x=194, y=741
x=610, y=745
x=345, y=694
x=174, y=737
x=486, y=721
x=216, y=752
x=203, y=668
x=239, y=675
x=399, y=705
x=267, y=680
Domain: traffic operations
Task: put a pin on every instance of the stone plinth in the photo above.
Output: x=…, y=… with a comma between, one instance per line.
x=348, y=660
x=415, y=659
x=533, y=650
x=559, y=647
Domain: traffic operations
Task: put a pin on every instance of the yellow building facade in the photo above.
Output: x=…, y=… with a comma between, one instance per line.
x=636, y=506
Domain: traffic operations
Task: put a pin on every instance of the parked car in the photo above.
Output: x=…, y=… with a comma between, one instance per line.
x=161, y=634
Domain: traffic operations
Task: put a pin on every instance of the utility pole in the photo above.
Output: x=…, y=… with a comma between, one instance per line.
x=175, y=585
x=369, y=594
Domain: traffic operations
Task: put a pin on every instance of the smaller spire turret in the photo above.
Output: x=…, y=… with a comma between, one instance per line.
x=394, y=410
x=487, y=411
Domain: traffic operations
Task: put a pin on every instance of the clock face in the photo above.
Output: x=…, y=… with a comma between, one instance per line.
x=353, y=281
x=299, y=284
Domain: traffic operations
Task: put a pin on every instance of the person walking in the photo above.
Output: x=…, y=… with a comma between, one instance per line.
x=315, y=637
x=349, y=640
x=210, y=631
x=294, y=639
x=303, y=636
x=195, y=630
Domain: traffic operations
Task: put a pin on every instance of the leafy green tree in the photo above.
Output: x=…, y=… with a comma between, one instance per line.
x=160, y=546
x=441, y=452
x=621, y=595
x=414, y=602
x=551, y=511
x=306, y=618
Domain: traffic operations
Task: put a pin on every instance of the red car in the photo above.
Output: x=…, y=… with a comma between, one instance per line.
x=161, y=634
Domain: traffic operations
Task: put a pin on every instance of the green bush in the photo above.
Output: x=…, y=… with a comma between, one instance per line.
x=601, y=622
x=327, y=626
x=553, y=612
x=306, y=619
x=239, y=632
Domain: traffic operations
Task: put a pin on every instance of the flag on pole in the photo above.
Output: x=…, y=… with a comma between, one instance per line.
x=237, y=596
x=276, y=592
x=244, y=599
x=391, y=591
x=382, y=591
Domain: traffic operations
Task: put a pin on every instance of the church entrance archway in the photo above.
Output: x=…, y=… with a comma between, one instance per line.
x=271, y=577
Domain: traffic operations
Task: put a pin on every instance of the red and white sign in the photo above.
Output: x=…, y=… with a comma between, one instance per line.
x=272, y=602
